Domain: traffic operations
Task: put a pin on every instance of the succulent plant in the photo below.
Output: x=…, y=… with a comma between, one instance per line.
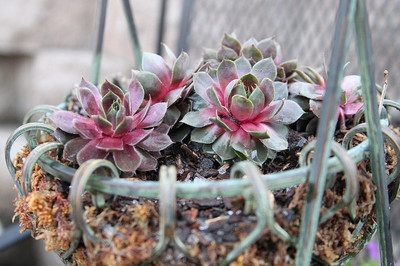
x=164, y=83
x=254, y=51
x=313, y=86
x=117, y=126
x=245, y=112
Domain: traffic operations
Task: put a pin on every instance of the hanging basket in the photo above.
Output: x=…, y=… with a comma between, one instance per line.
x=91, y=216
x=318, y=200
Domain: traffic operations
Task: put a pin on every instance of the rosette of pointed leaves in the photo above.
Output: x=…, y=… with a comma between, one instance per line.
x=245, y=114
x=313, y=86
x=254, y=51
x=164, y=83
x=116, y=128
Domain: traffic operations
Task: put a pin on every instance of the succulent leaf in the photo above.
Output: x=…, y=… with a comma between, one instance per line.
x=268, y=89
x=63, y=119
x=110, y=144
x=128, y=159
x=242, y=108
x=264, y=69
x=223, y=148
x=231, y=42
x=243, y=66
x=289, y=113
x=252, y=52
x=155, y=64
x=151, y=84
x=90, y=151
x=207, y=134
x=88, y=100
x=199, y=118
x=86, y=128
x=226, y=72
x=180, y=68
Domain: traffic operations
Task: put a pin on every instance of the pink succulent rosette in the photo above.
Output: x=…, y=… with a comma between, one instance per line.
x=246, y=112
x=116, y=126
x=314, y=90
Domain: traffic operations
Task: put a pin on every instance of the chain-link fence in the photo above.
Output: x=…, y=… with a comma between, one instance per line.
x=303, y=28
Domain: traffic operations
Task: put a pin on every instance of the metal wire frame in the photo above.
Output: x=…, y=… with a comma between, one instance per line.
x=350, y=12
x=88, y=178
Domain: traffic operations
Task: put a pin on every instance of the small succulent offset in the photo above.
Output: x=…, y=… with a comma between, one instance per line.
x=313, y=85
x=254, y=51
x=245, y=114
x=164, y=83
x=119, y=125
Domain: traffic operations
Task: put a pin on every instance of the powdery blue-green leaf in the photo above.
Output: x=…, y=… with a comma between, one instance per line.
x=281, y=91
x=268, y=89
x=180, y=68
x=308, y=90
x=268, y=48
x=243, y=66
x=227, y=53
x=259, y=153
x=172, y=116
x=289, y=113
x=289, y=67
x=316, y=107
x=226, y=72
x=258, y=100
x=277, y=137
x=223, y=148
x=241, y=108
x=151, y=84
x=264, y=69
x=209, y=54
x=206, y=135
x=199, y=118
x=252, y=52
x=231, y=42
x=315, y=76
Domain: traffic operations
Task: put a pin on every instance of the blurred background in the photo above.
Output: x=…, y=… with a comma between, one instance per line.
x=47, y=46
